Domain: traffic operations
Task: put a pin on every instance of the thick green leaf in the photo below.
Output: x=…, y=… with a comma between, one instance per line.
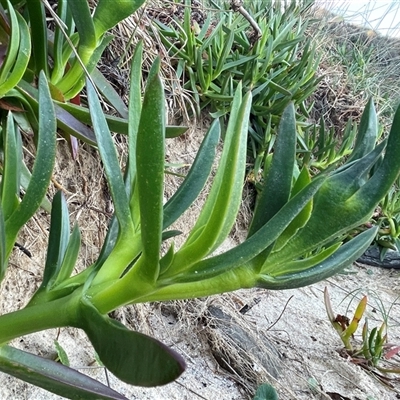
x=58, y=240
x=135, y=109
x=336, y=210
x=53, y=376
x=59, y=40
x=109, y=157
x=37, y=19
x=131, y=356
x=70, y=256
x=84, y=24
x=108, y=14
x=302, y=264
x=109, y=93
x=42, y=169
x=74, y=80
x=251, y=247
x=342, y=258
x=301, y=219
x=10, y=179
x=367, y=133
x=3, y=256
x=222, y=204
x=22, y=59
x=12, y=47
x=195, y=179
x=115, y=124
x=66, y=121
x=278, y=183
x=150, y=155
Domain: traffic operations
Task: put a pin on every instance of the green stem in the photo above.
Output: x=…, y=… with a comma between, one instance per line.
x=57, y=313
x=126, y=292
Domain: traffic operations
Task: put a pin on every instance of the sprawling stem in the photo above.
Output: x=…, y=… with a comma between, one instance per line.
x=54, y=314
x=124, y=291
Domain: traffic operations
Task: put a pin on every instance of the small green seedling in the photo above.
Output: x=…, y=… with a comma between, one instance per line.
x=374, y=348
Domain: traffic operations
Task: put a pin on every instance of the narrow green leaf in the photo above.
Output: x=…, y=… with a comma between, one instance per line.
x=10, y=180
x=53, y=376
x=109, y=93
x=70, y=256
x=115, y=124
x=251, y=247
x=66, y=121
x=84, y=24
x=109, y=157
x=342, y=258
x=222, y=204
x=221, y=60
x=3, y=254
x=37, y=19
x=43, y=166
x=134, y=358
x=301, y=219
x=73, y=81
x=301, y=264
x=58, y=240
x=22, y=59
x=135, y=109
x=12, y=46
x=59, y=62
x=367, y=133
x=278, y=183
x=195, y=179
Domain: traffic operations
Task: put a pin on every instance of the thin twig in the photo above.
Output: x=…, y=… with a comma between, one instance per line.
x=280, y=315
x=237, y=6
